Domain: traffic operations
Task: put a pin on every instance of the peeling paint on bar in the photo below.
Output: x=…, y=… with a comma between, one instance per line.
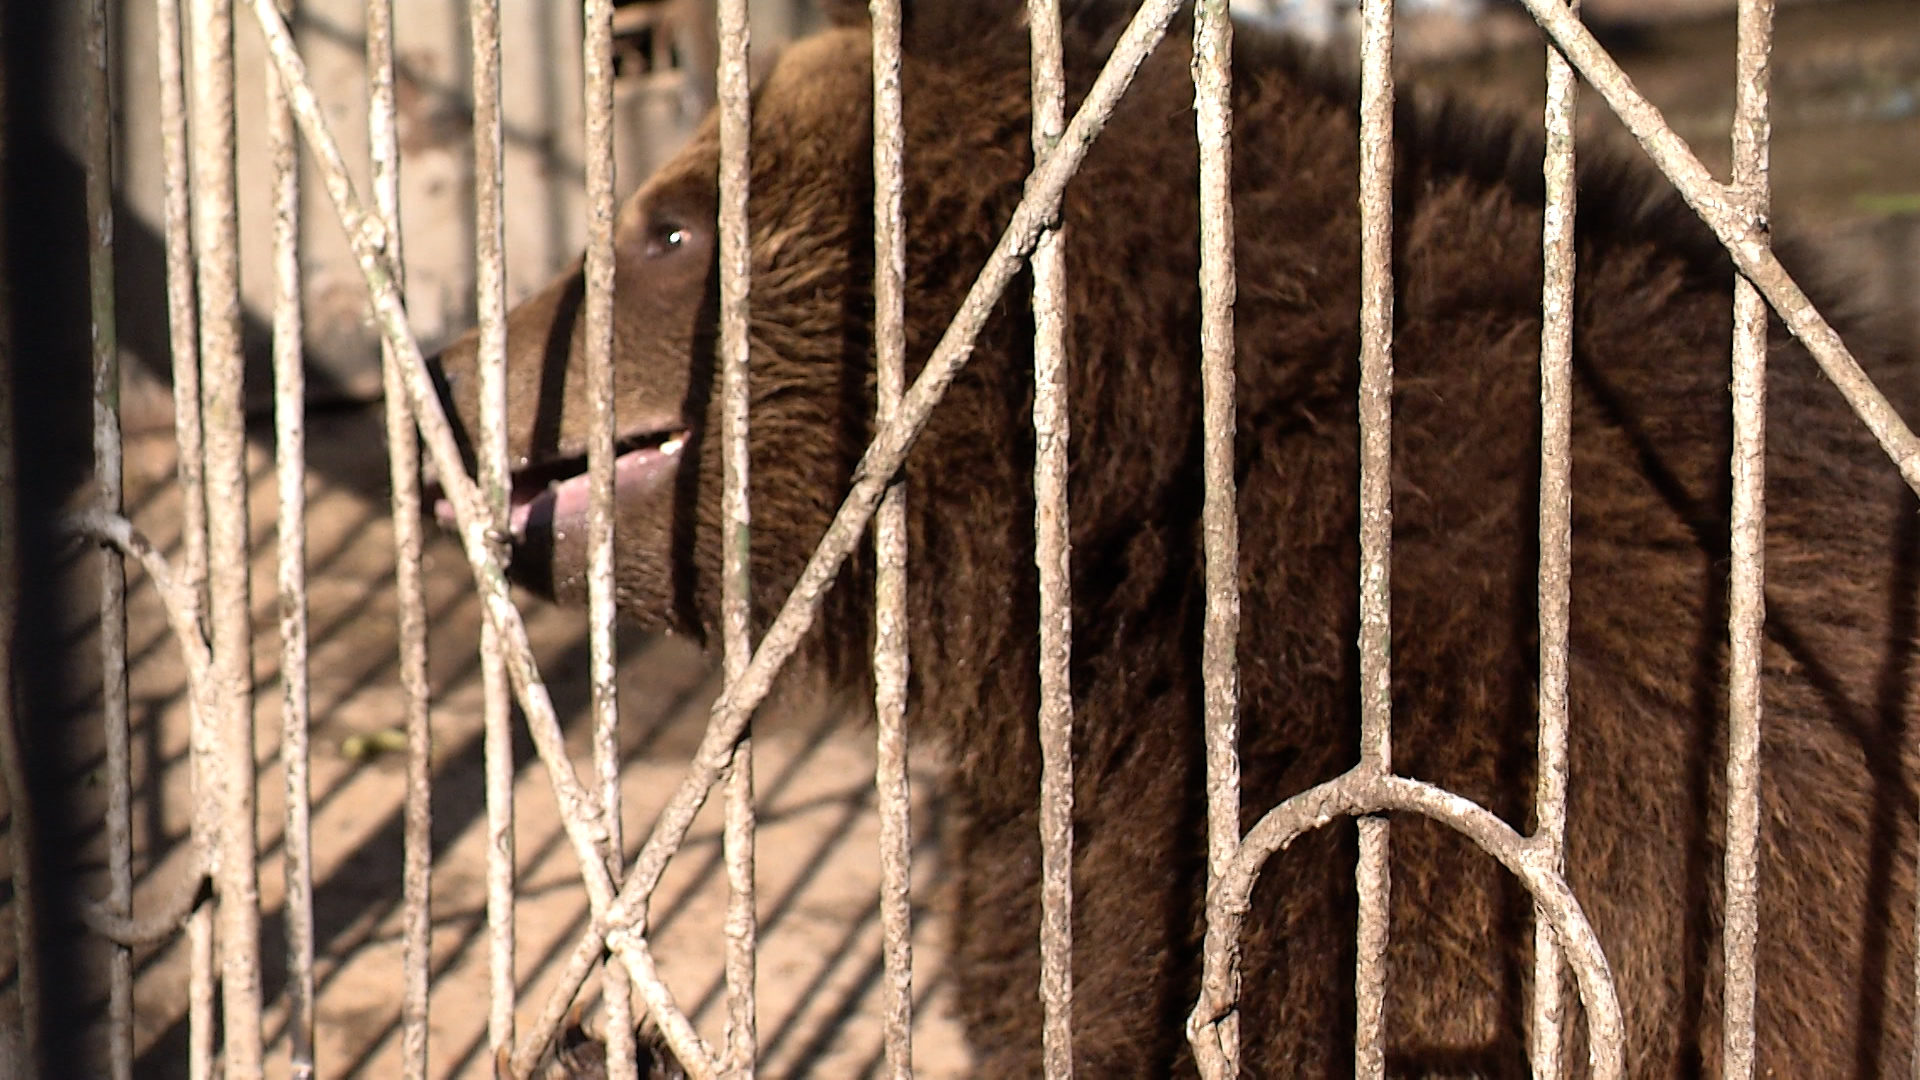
x=1373, y=874
x=496, y=691
x=1052, y=554
x=226, y=765
x=289, y=411
x=602, y=661
x=409, y=585
x=891, y=661
x=736, y=542
x=1547, y=1038
x=1219, y=1056
x=1746, y=600
x=190, y=446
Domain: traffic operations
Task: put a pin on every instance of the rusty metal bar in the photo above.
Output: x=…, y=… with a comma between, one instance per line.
x=403, y=449
x=1053, y=559
x=1746, y=600
x=495, y=478
x=891, y=660
x=736, y=615
x=1547, y=1037
x=289, y=409
x=1743, y=235
x=13, y=764
x=1373, y=874
x=602, y=662
x=1362, y=791
x=108, y=467
x=1213, y=86
x=229, y=762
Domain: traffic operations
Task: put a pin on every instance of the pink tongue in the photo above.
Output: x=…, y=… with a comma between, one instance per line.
x=564, y=505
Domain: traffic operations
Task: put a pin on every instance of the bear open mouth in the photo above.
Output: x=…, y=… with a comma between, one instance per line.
x=552, y=495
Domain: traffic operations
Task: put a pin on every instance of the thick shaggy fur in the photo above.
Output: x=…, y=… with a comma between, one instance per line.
x=1649, y=551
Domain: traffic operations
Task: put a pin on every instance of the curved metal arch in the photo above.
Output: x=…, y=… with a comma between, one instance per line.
x=1360, y=792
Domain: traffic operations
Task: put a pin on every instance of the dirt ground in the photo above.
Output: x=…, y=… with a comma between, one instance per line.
x=1847, y=163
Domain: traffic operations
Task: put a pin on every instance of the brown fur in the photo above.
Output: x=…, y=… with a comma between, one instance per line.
x=1650, y=472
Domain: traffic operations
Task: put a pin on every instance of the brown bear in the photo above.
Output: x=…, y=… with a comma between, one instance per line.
x=1651, y=492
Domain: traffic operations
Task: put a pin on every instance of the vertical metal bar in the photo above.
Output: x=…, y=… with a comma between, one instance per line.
x=403, y=450
x=1556, y=549
x=289, y=411
x=490, y=284
x=230, y=762
x=183, y=330
x=891, y=661
x=1746, y=603
x=1052, y=556
x=200, y=992
x=13, y=765
x=108, y=477
x=1213, y=89
x=736, y=598
x=182, y=323
x=1376, y=516
x=616, y=990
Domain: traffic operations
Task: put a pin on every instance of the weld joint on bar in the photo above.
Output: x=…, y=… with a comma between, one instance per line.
x=139, y=931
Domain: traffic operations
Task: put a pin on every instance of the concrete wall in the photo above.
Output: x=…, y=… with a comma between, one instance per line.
x=545, y=220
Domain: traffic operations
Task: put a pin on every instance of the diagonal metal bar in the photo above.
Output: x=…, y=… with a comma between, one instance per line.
x=1743, y=232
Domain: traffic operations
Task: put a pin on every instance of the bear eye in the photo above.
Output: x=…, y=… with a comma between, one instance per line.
x=667, y=237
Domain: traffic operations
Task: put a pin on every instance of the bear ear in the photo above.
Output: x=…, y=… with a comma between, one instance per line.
x=844, y=12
